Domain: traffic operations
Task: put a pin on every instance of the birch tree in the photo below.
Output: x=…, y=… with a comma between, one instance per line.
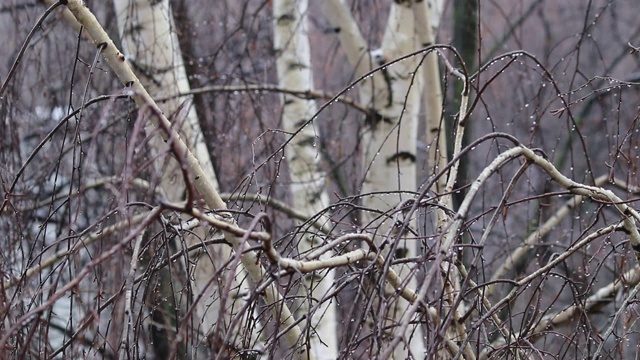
x=293, y=60
x=390, y=155
x=151, y=46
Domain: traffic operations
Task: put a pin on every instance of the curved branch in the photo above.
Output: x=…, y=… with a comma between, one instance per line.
x=303, y=94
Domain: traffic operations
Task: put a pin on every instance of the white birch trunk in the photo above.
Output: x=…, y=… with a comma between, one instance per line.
x=426, y=14
x=293, y=61
x=374, y=90
x=151, y=46
x=390, y=153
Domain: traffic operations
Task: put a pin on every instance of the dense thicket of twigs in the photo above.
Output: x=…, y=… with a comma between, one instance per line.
x=87, y=237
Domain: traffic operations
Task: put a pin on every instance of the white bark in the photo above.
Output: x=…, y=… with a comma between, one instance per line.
x=391, y=155
x=432, y=99
x=392, y=147
x=70, y=19
x=291, y=43
x=434, y=9
x=374, y=91
x=151, y=45
x=390, y=152
x=204, y=184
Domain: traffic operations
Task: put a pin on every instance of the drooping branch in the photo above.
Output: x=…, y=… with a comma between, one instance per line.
x=197, y=176
x=538, y=234
x=627, y=223
x=629, y=215
x=306, y=94
x=149, y=39
x=148, y=218
x=82, y=242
